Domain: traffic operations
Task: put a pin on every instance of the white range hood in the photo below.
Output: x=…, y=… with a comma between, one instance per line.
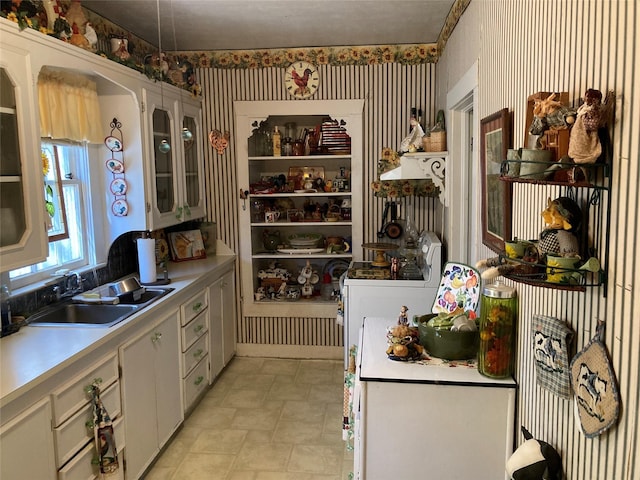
x=421, y=166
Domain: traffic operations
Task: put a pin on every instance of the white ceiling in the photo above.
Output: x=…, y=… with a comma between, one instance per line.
x=264, y=24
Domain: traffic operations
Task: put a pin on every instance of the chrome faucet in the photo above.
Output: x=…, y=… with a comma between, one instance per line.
x=73, y=284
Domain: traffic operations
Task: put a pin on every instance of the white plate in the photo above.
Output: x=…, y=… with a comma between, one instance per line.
x=118, y=186
x=300, y=250
x=114, y=144
x=114, y=166
x=120, y=208
x=308, y=190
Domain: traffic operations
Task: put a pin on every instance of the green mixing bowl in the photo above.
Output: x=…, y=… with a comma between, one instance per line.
x=445, y=343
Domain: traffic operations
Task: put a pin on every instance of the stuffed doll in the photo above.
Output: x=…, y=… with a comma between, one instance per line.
x=534, y=460
x=563, y=218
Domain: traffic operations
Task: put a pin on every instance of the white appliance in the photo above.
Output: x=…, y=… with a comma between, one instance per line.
x=427, y=421
x=384, y=298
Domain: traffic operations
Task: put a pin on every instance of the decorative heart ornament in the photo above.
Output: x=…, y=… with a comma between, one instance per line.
x=219, y=141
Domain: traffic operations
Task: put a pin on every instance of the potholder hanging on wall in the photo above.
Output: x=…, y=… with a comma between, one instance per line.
x=594, y=384
x=551, y=340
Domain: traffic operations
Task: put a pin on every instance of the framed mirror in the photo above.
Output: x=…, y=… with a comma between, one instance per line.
x=495, y=137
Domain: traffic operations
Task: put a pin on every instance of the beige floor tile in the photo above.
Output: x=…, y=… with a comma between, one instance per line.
x=297, y=432
x=219, y=441
x=326, y=393
x=204, y=466
x=244, y=398
x=211, y=417
x=259, y=456
x=256, y=419
x=253, y=380
x=290, y=391
x=263, y=419
x=319, y=459
x=303, y=412
x=279, y=366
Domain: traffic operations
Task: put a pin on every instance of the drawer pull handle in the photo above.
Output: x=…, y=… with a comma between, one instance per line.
x=199, y=380
x=156, y=337
x=197, y=306
x=198, y=328
x=89, y=388
x=198, y=353
x=90, y=425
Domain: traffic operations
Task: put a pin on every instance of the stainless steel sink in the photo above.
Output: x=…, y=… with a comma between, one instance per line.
x=93, y=314
x=78, y=314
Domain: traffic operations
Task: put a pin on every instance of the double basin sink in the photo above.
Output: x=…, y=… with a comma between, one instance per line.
x=72, y=314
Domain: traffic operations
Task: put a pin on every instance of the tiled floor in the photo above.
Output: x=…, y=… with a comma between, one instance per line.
x=264, y=419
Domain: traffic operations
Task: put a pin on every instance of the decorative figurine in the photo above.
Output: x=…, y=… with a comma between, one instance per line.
x=584, y=142
x=403, y=319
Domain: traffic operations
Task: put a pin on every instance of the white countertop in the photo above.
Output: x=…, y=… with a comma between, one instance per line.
x=377, y=367
x=34, y=354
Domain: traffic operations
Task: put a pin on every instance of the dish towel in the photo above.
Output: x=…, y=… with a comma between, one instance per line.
x=551, y=340
x=597, y=400
x=104, y=437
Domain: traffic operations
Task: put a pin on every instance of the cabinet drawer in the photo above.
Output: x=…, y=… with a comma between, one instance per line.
x=193, y=307
x=74, y=433
x=81, y=467
x=195, y=383
x=69, y=398
x=194, y=330
x=194, y=354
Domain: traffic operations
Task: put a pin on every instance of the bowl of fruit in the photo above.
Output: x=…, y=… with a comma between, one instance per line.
x=451, y=336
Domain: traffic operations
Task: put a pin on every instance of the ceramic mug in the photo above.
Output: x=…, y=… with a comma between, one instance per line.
x=562, y=269
x=516, y=249
x=271, y=217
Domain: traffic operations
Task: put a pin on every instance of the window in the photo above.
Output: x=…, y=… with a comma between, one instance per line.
x=71, y=251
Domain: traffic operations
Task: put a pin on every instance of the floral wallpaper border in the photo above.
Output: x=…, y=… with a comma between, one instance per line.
x=186, y=62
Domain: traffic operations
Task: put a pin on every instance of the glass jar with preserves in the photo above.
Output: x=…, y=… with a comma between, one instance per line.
x=498, y=314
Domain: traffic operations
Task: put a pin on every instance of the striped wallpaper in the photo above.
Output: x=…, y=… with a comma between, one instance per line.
x=520, y=48
x=568, y=45
x=389, y=90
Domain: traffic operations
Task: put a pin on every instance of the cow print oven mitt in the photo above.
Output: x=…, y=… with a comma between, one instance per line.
x=594, y=383
x=551, y=340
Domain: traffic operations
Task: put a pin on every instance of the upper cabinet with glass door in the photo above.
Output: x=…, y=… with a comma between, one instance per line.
x=176, y=192
x=23, y=236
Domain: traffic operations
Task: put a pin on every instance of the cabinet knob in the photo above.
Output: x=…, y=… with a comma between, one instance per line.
x=187, y=210
x=179, y=213
x=197, y=306
x=198, y=328
x=198, y=380
x=156, y=337
x=198, y=353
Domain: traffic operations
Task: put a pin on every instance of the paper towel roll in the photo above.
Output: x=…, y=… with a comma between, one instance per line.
x=147, y=259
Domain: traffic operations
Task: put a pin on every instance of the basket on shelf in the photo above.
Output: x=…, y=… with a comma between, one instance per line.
x=435, y=142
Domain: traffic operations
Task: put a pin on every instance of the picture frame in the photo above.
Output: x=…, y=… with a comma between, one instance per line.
x=495, y=138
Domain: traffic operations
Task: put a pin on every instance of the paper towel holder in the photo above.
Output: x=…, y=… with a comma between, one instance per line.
x=162, y=260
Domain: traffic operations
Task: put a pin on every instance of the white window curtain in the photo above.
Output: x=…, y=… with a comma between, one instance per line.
x=69, y=107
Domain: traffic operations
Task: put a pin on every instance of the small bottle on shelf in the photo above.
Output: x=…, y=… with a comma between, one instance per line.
x=276, y=143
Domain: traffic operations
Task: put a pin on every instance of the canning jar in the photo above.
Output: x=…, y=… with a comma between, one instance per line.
x=498, y=313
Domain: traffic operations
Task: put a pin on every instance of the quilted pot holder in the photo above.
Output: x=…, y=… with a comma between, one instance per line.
x=594, y=383
x=551, y=340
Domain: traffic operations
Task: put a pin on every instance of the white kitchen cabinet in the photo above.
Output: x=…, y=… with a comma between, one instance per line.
x=194, y=333
x=337, y=121
x=222, y=323
x=23, y=236
x=73, y=413
x=151, y=398
x=175, y=175
x=459, y=422
x=26, y=445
